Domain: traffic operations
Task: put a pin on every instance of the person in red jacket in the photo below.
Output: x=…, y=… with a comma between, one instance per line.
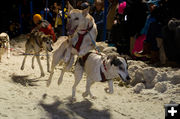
x=44, y=26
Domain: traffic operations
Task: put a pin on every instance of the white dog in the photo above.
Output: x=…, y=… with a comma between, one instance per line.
x=82, y=33
x=4, y=45
x=99, y=68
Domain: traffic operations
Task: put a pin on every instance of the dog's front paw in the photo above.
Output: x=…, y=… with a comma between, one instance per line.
x=73, y=99
x=42, y=74
x=93, y=97
x=85, y=94
x=32, y=67
x=48, y=71
x=66, y=59
x=107, y=90
x=48, y=83
x=59, y=81
x=22, y=68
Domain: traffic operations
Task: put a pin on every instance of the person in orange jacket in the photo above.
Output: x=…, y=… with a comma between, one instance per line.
x=44, y=26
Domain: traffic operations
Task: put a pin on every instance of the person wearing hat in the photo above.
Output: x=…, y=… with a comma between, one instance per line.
x=44, y=26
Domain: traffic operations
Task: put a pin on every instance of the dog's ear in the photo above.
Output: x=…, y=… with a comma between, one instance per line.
x=36, y=34
x=70, y=7
x=126, y=60
x=86, y=11
x=43, y=36
x=50, y=36
x=114, y=60
x=6, y=37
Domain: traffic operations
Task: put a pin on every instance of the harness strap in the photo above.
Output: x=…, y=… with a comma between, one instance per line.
x=81, y=37
x=102, y=76
x=79, y=42
x=38, y=43
x=82, y=60
x=104, y=65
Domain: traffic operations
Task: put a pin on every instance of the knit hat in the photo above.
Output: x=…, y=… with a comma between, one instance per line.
x=37, y=18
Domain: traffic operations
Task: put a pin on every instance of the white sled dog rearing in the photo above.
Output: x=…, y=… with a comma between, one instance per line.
x=82, y=33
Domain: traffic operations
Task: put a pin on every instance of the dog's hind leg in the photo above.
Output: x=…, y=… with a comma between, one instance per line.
x=78, y=76
x=66, y=68
x=110, y=89
x=62, y=74
x=32, y=66
x=0, y=57
x=88, y=86
x=55, y=61
x=40, y=66
x=9, y=49
x=47, y=56
x=24, y=60
x=50, y=77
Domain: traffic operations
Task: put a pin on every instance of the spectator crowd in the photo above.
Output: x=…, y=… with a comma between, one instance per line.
x=143, y=29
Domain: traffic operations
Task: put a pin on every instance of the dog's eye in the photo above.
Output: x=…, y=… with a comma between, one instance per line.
x=76, y=18
x=121, y=68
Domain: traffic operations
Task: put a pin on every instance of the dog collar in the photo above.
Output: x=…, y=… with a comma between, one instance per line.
x=88, y=29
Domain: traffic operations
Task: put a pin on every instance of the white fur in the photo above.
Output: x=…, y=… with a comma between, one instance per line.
x=5, y=37
x=92, y=68
x=65, y=53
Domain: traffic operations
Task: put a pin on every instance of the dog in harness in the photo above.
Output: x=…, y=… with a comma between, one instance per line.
x=82, y=33
x=4, y=45
x=80, y=38
x=37, y=42
x=99, y=68
x=82, y=62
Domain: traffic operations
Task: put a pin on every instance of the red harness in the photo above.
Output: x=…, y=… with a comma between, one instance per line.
x=102, y=74
x=81, y=37
x=82, y=62
x=104, y=65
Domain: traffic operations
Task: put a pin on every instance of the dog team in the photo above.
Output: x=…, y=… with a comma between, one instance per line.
x=79, y=47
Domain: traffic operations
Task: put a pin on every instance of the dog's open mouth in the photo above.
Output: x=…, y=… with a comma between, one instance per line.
x=71, y=31
x=122, y=78
x=50, y=49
